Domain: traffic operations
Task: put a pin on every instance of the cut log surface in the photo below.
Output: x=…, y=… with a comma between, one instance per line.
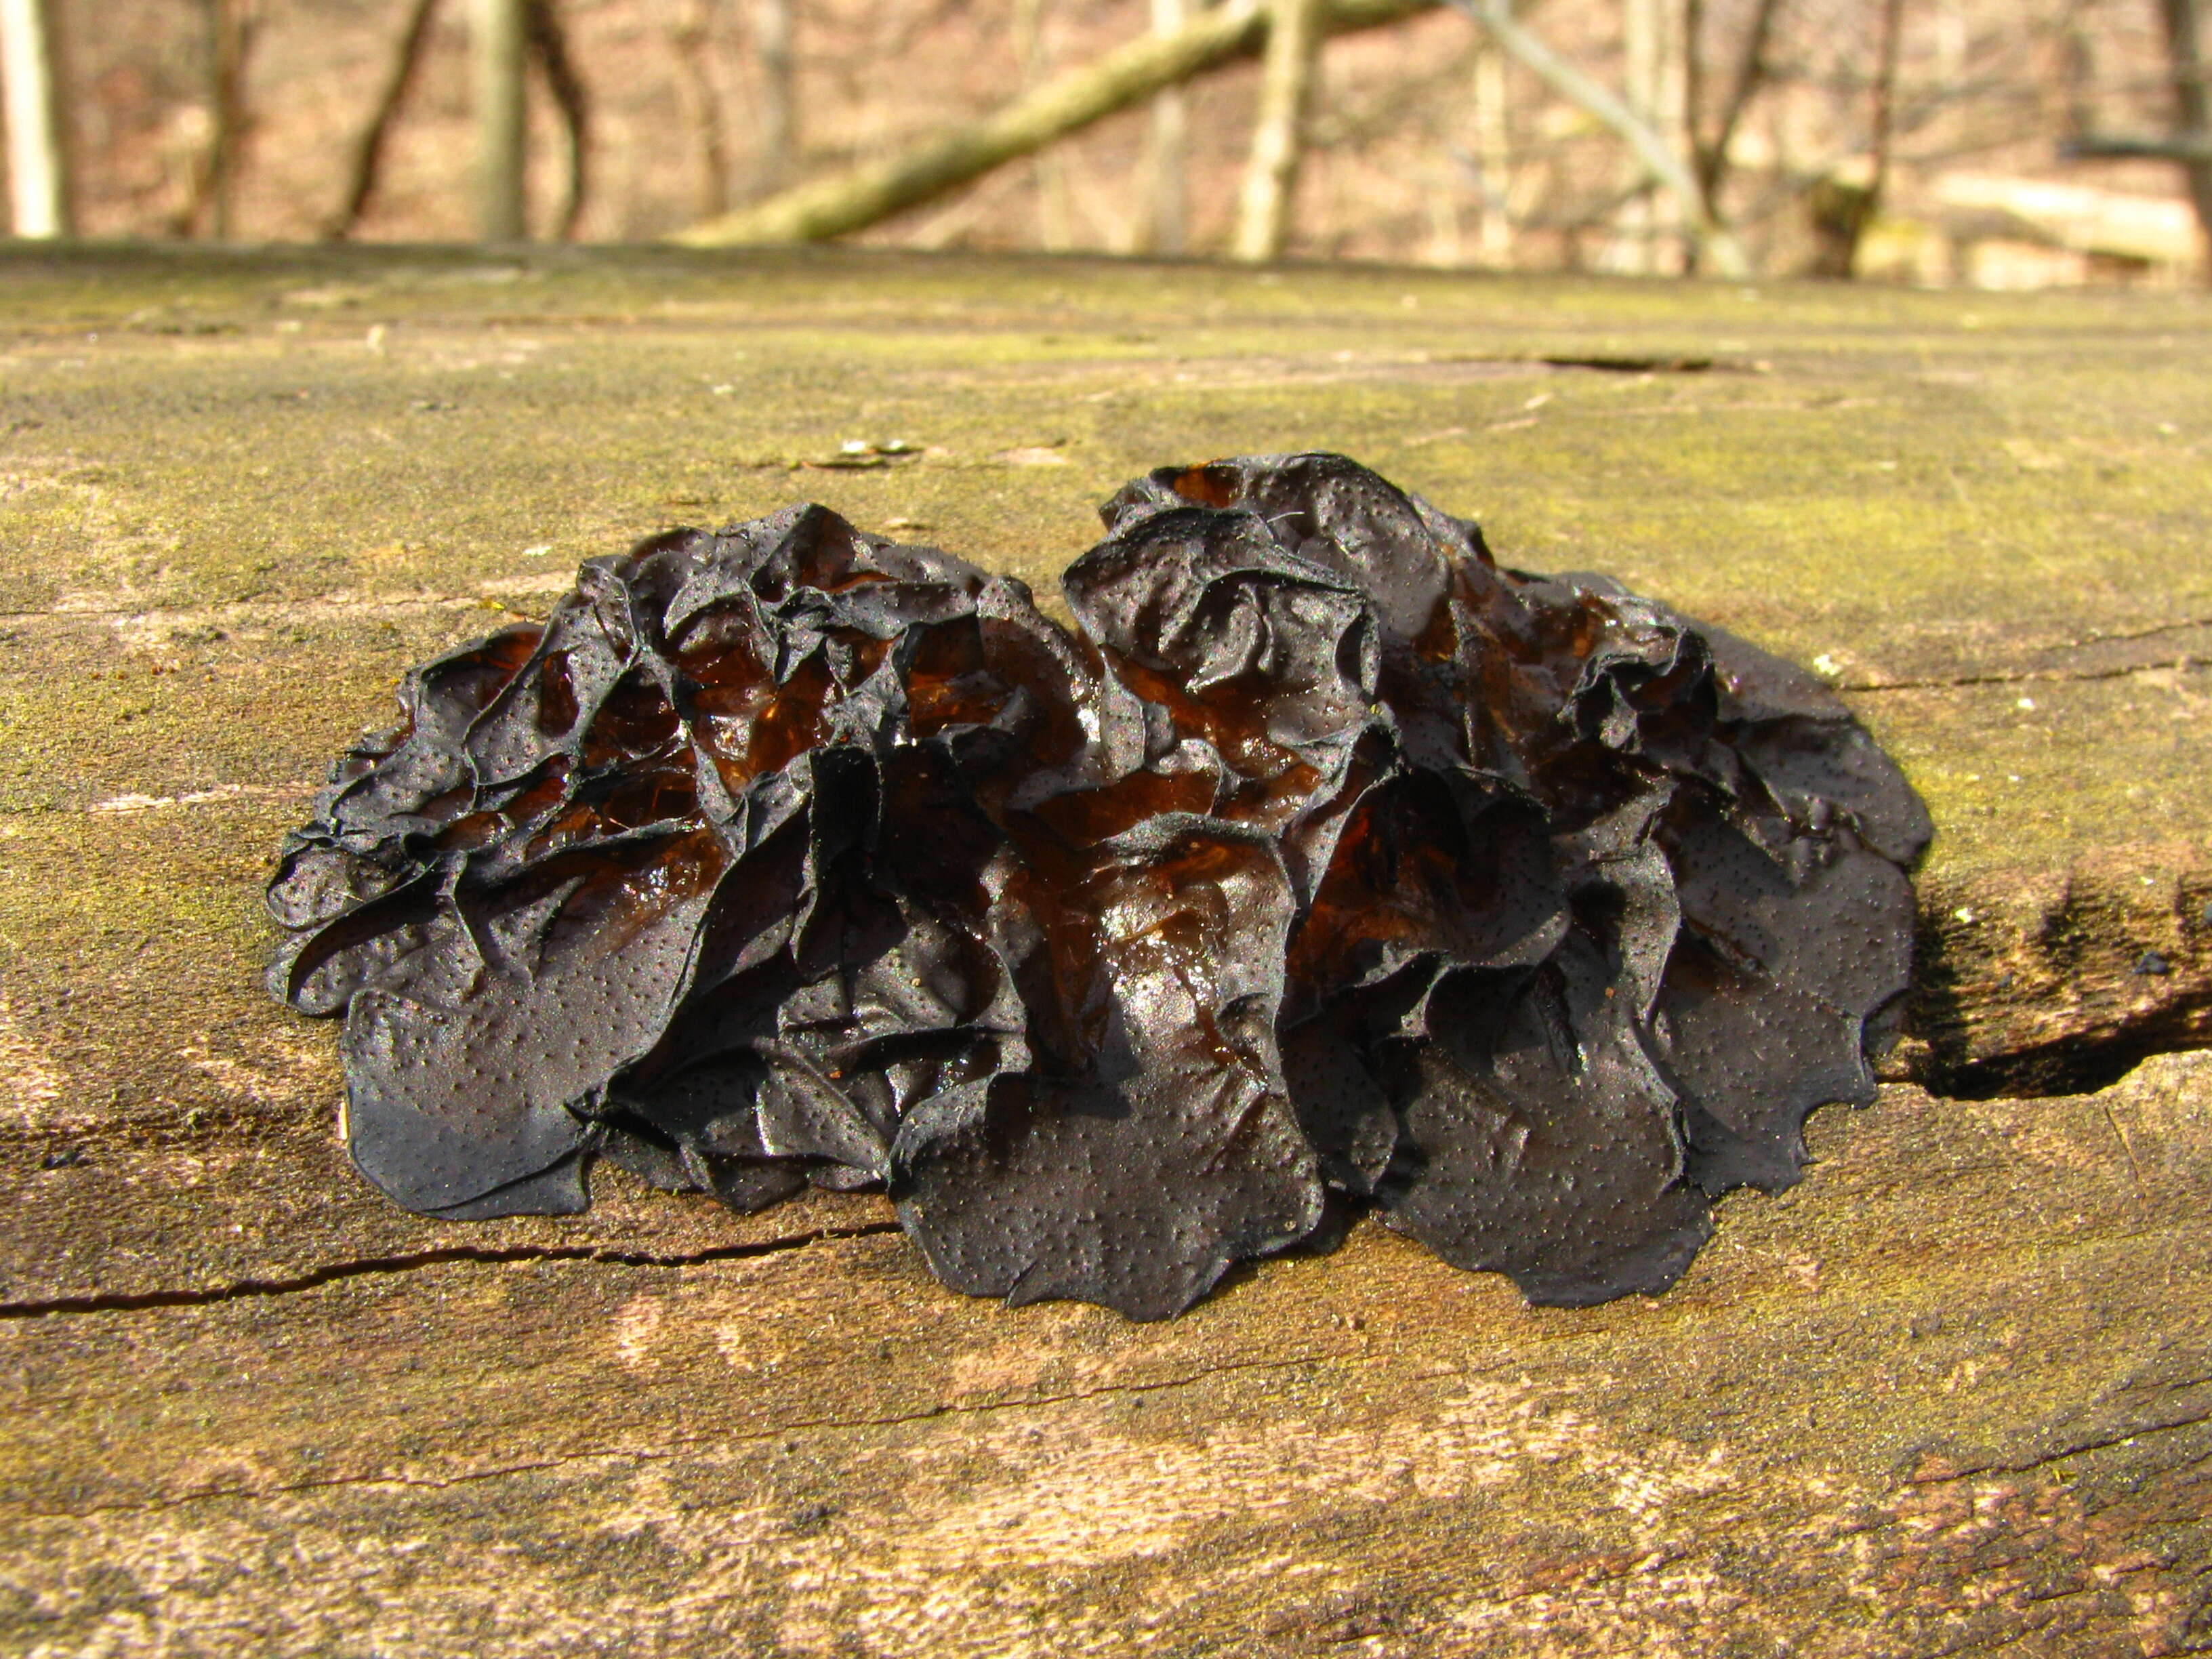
x=1952, y=1394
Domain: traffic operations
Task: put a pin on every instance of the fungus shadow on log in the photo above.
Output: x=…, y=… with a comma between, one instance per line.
x=1328, y=866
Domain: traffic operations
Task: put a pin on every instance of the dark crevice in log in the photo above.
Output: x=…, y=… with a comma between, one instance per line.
x=2075, y=1066
x=2028, y=676
x=1617, y=365
x=2136, y=1004
x=338, y=1271
x=1948, y=1473
x=2098, y=636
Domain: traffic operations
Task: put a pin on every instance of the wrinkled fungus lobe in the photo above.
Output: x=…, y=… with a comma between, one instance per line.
x=1329, y=866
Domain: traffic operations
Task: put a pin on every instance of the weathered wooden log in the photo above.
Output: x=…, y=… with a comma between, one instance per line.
x=1949, y=1394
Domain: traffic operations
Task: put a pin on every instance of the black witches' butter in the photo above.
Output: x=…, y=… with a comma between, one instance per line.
x=1328, y=866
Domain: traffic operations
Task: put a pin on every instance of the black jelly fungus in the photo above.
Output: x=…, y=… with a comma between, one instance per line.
x=1328, y=865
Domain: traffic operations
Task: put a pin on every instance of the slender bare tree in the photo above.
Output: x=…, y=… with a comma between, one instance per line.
x=212, y=207
x=689, y=26
x=1278, y=137
x=779, y=107
x=1711, y=150
x=1643, y=57
x=1882, y=122
x=1166, y=220
x=548, y=46
x=499, y=36
x=1840, y=209
x=37, y=150
x=1493, y=160
x=1714, y=242
x=2192, y=107
x=367, y=163
x=1055, y=228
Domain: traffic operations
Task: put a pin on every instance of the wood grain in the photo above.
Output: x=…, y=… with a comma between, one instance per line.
x=1951, y=1394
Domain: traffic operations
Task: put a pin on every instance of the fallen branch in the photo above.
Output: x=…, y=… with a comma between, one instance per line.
x=2181, y=147
x=867, y=195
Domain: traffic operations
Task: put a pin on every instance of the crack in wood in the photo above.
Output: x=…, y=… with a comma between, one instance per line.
x=339, y=1272
x=267, y=606
x=2183, y=626
x=2134, y=1168
x=2029, y=677
x=2046, y=1461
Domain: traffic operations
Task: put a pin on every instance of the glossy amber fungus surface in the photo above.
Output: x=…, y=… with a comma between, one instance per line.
x=1329, y=866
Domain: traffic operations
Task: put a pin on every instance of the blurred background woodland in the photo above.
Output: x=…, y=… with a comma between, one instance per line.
x=1991, y=143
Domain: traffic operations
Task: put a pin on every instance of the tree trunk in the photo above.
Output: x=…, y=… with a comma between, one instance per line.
x=1713, y=242
x=690, y=28
x=1655, y=38
x=548, y=43
x=1166, y=216
x=1751, y=72
x=1883, y=121
x=1054, y=228
x=230, y=36
x=865, y=196
x=779, y=112
x=1642, y=47
x=2193, y=122
x=1693, y=78
x=499, y=32
x=368, y=149
x=1493, y=157
x=1841, y=211
x=37, y=150
x=1295, y=32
